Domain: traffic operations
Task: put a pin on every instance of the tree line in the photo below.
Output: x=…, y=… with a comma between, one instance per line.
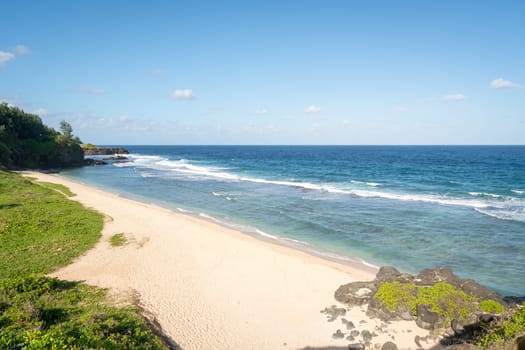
x=25, y=142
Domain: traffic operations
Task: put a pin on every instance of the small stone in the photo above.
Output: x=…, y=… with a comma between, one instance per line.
x=389, y=346
x=417, y=341
x=354, y=333
x=350, y=338
x=367, y=336
x=338, y=334
x=356, y=346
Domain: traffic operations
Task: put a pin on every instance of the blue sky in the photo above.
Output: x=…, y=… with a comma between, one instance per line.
x=269, y=72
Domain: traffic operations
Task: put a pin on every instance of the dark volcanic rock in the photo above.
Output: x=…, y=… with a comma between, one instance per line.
x=367, y=336
x=103, y=151
x=389, y=346
x=93, y=162
x=476, y=289
x=117, y=158
x=427, y=319
x=356, y=346
x=391, y=274
x=355, y=293
x=429, y=277
x=334, y=312
x=462, y=347
x=338, y=334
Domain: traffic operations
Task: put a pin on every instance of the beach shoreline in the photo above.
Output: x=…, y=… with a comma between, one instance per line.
x=213, y=287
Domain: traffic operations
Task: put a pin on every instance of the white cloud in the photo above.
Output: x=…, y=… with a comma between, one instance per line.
x=454, y=97
x=89, y=90
x=401, y=109
x=182, y=94
x=501, y=83
x=262, y=111
x=41, y=112
x=312, y=109
x=346, y=122
x=21, y=50
x=6, y=57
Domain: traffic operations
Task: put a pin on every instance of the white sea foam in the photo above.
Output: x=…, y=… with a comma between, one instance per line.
x=484, y=194
x=481, y=200
x=264, y=234
x=517, y=214
x=517, y=191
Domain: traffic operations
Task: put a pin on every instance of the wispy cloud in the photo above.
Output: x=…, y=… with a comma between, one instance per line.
x=401, y=109
x=21, y=50
x=454, y=97
x=182, y=94
x=262, y=111
x=501, y=83
x=41, y=112
x=346, y=122
x=18, y=50
x=312, y=109
x=6, y=57
x=89, y=90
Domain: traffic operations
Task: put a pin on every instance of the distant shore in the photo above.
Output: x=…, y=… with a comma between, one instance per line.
x=213, y=287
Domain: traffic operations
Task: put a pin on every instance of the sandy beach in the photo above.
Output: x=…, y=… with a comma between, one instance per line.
x=211, y=287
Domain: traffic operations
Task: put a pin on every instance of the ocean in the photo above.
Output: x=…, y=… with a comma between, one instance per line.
x=411, y=207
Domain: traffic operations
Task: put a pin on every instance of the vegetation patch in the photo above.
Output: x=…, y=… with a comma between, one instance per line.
x=40, y=229
x=491, y=306
x=508, y=331
x=118, y=240
x=58, y=187
x=46, y=313
x=443, y=298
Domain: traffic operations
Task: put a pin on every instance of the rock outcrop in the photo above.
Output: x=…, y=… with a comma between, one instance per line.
x=103, y=151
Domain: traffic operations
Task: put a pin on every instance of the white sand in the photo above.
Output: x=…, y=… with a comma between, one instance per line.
x=214, y=288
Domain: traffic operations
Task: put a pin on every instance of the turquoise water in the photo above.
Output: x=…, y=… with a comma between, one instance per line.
x=410, y=207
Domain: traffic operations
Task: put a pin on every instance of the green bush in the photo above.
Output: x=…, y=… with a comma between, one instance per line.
x=443, y=298
x=491, y=306
x=509, y=329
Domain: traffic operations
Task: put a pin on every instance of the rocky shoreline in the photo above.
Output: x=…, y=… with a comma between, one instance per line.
x=458, y=313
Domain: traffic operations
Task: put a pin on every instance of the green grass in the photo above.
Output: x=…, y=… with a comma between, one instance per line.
x=57, y=187
x=118, y=240
x=40, y=231
x=46, y=313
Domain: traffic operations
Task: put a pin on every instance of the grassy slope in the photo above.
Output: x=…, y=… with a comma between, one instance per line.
x=40, y=231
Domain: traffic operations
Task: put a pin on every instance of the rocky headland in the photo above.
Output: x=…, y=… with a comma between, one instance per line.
x=103, y=151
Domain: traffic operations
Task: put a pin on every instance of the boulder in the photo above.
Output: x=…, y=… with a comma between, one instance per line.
x=427, y=319
x=391, y=274
x=520, y=343
x=355, y=293
x=429, y=277
x=462, y=347
x=389, y=346
x=356, y=346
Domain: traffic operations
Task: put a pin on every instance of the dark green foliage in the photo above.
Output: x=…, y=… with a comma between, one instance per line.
x=46, y=313
x=25, y=142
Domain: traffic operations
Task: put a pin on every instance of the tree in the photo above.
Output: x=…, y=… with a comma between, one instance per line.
x=66, y=128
